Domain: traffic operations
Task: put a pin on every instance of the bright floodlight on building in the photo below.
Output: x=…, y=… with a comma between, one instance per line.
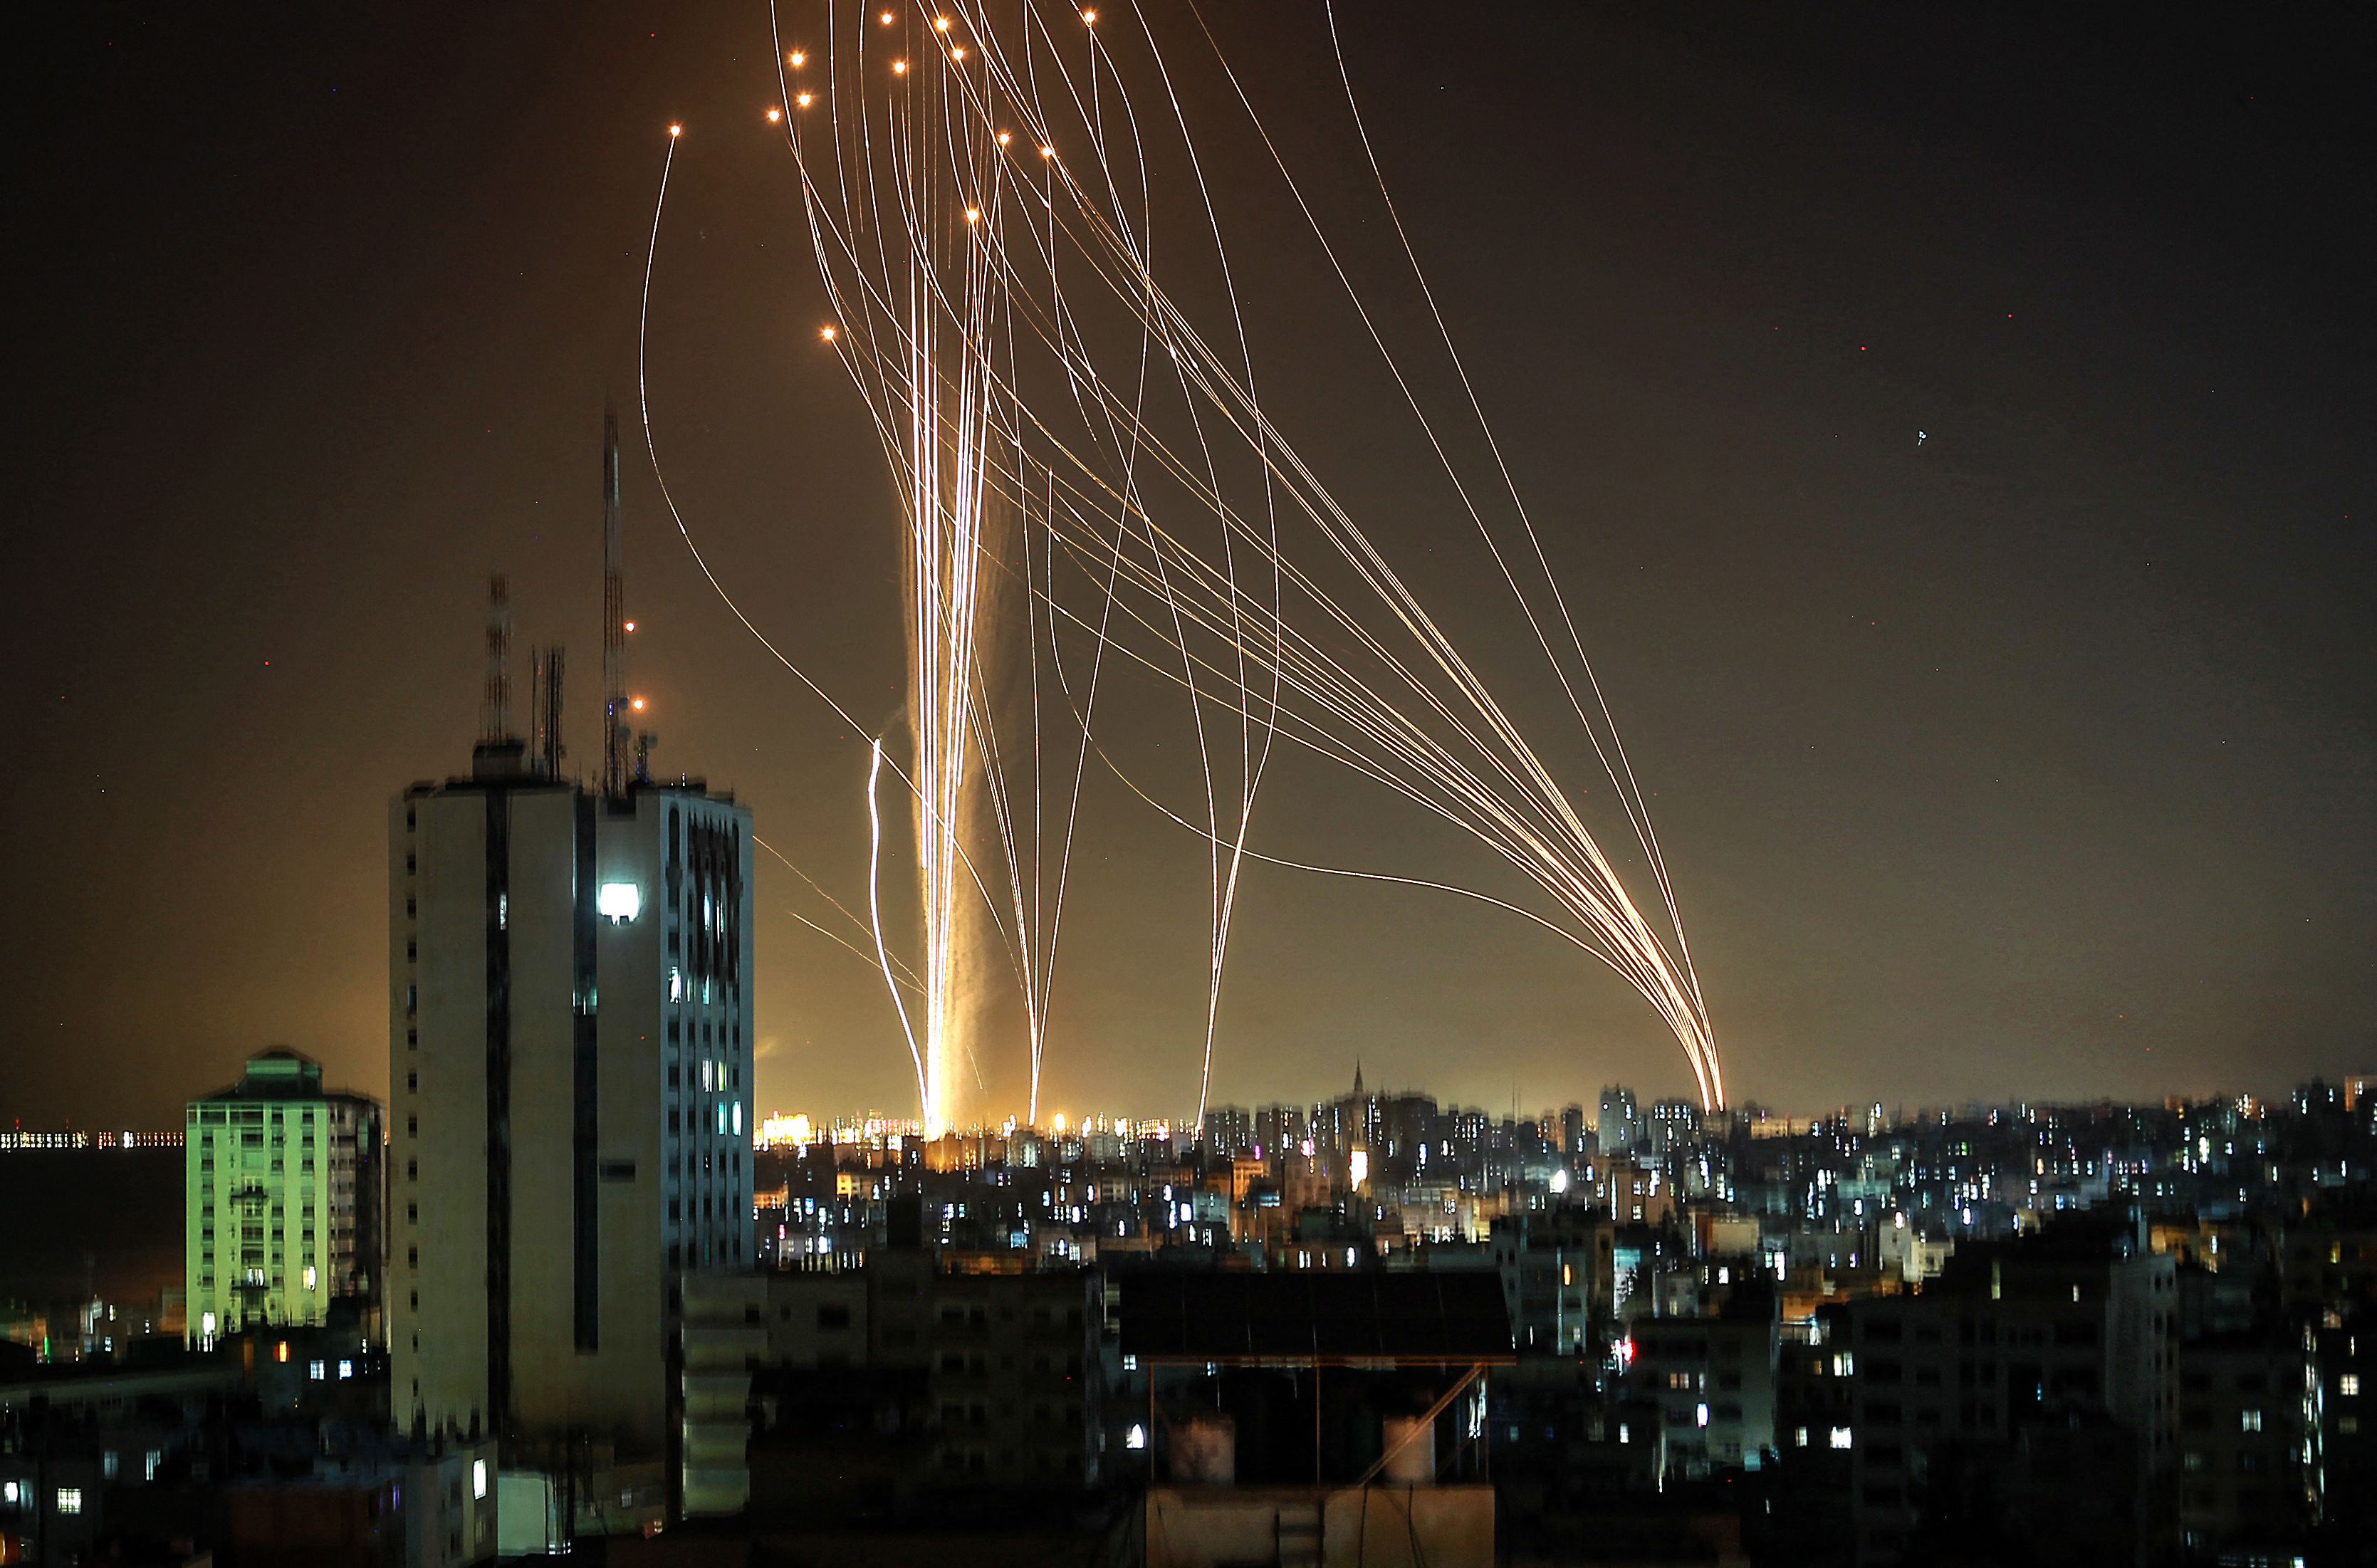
x=618, y=902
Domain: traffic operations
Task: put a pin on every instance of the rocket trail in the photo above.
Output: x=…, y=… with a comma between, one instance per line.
x=979, y=186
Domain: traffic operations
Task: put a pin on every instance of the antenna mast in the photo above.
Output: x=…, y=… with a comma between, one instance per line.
x=615, y=613
x=547, y=699
x=495, y=717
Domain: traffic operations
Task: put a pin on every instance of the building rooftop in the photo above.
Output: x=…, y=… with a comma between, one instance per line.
x=1315, y=1317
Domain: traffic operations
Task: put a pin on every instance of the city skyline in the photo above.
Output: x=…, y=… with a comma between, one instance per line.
x=2025, y=758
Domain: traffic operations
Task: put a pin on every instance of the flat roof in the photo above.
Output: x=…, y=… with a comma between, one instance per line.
x=1355, y=1316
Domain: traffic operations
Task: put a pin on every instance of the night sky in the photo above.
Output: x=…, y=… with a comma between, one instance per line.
x=2034, y=760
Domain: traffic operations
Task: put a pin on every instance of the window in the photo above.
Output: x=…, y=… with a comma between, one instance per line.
x=478, y=1478
x=156, y=1461
x=108, y=1465
x=2348, y=1386
x=69, y=1500
x=1842, y=1437
x=2249, y=1420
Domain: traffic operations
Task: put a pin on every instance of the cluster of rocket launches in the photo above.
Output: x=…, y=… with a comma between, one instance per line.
x=1066, y=440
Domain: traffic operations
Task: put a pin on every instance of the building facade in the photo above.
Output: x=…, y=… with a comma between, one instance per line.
x=570, y=1057
x=282, y=1199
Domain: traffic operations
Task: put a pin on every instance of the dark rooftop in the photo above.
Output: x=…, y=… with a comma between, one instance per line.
x=1315, y=1317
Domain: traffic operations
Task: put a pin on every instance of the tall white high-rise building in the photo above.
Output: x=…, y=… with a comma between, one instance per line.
x=569, y=1039
x=570, y=1047
x=281, y=1212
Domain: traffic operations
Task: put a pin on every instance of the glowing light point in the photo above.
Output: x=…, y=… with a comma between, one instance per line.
x=628, y=626
x=956, y=51
x=898, y=68
x=826, y=332
x=806, y=98
x=974, y=214
x=798, y=58
x=637, y=703
x=885, y=19
x=676, y=130
x=1004, y=137
x=941, y=24
x=1047, y=152
x=1091, y=18
x=774, y=115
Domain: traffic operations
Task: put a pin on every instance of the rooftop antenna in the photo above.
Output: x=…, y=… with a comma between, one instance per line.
x=547, y=696
x=615, y=613
x=496, y=716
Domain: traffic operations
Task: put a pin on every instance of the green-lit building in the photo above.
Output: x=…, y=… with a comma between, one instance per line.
x=283, y=1199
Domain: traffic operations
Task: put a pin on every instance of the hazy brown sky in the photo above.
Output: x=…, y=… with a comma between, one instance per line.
x=2034, y=760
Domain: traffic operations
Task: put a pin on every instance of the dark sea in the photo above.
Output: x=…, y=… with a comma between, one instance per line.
x=72, y=1223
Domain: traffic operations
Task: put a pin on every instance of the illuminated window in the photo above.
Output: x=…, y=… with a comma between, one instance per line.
x=346, y=1369
x=69, y=1500
x=1136, y=1437
x=309, y=1285
x=2249, y=1420
x=1798, y=1437
x=2348, y=1386
x=317, y=1370
x=155, y=1462
x=109, y=1464
x=1841, y=1437
x=1703, y=1416
x=478, y=1478
x=618, y=902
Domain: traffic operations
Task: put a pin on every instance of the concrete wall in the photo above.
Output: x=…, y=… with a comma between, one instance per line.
x=1368, y=1528
x=437, y=1151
